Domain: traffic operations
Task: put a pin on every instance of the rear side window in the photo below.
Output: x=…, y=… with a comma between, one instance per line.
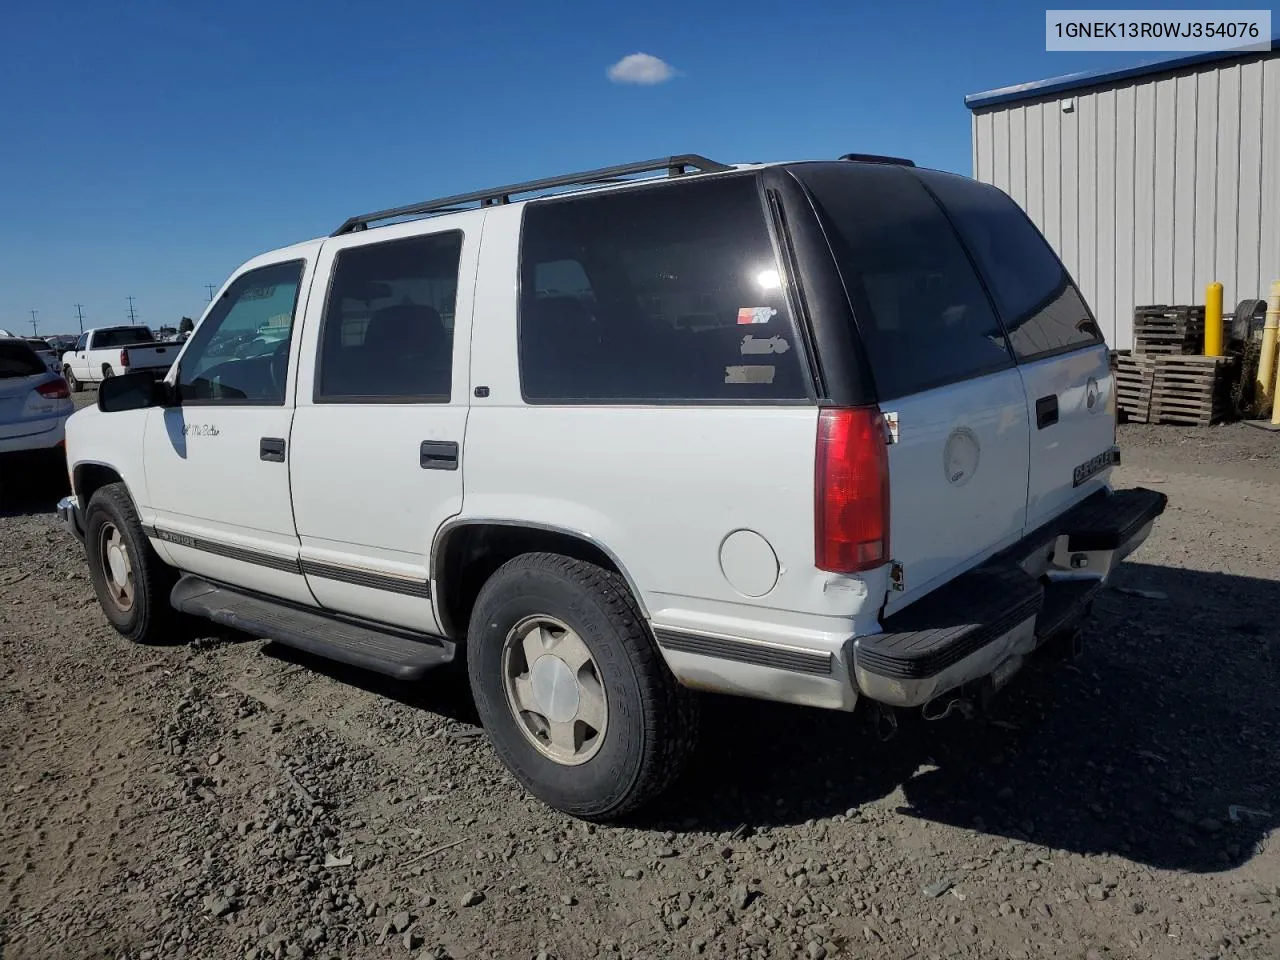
x=1040, y=306
x=388, y=322
x=920, y=308
x=667, y=293
x=18, y=360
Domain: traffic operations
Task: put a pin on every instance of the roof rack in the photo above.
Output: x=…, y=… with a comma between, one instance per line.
x=674, y=166
x=877, y=158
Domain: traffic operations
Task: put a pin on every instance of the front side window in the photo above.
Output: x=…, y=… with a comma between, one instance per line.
x=921, y=311
x=388, y=322
x=240, y=353
x=1041, y=308
x=662, y=293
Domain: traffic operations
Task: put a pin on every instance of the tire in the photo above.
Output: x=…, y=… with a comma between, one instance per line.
x=74, y=385
x=107, y=372
x=651, y=721
x=111, y=523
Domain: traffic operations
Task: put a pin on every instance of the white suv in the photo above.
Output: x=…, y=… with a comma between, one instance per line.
x=811, y=432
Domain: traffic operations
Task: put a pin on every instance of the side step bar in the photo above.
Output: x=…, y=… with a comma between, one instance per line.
x=375, y=647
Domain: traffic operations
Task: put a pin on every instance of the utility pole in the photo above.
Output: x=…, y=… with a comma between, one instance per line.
x=80, y=316
x=133, y=317
x=33, y=322
x=210, y=287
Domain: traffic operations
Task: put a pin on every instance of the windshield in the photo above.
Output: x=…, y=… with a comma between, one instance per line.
x=122, y=337
x=18, y=360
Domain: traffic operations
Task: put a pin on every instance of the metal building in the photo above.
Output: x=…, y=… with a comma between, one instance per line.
x=1150, y=181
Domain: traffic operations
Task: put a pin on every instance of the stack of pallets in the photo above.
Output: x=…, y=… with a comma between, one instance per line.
x=1192, y=391
x=1134, y=374
x=1161, y=329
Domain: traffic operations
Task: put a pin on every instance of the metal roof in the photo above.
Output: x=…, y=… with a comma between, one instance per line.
x=1094, y=78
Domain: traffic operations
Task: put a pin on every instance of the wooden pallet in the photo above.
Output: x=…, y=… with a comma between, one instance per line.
x=1166, y=330
x=1190, y=390
x=1134, y=376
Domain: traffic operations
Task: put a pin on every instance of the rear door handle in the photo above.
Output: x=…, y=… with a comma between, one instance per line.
x=1046, y=411
x=271, y=449
x=438, y=455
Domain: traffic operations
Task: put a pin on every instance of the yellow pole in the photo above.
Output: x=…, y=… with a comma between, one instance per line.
x=1213, y=320
x=1265, y=385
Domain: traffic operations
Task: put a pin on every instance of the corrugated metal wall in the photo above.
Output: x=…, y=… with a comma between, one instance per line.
x=1150, y=188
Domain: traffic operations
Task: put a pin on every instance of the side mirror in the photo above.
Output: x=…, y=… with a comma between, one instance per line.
x=134, y=391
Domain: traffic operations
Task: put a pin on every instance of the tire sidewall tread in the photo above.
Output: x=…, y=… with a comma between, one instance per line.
x=153, y=579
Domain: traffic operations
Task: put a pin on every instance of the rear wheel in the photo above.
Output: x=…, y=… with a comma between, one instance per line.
x=74, y=385
x=107, y=372
x=571, y=689
x=131, y=581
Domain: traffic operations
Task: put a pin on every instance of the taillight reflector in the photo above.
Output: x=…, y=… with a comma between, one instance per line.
x=851, y=499
x=54, y=390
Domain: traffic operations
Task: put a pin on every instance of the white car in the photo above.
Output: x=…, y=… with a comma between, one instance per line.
x=834, y=433
x=34, y=407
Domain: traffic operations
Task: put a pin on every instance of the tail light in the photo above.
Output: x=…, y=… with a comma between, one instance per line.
x=124, y=359
x=54, y=390
x=851, y=496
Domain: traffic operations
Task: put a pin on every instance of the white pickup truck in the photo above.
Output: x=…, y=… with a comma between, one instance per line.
x=836, y=434
x=110, y=351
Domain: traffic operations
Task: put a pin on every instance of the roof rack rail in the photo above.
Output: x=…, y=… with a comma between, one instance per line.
x=877, y=158
x=675, y=167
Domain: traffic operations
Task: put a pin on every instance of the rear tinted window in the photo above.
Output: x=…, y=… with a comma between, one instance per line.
x=18, y=360
x=1040, y=306
x=658, y=293
x=121, y=337
x=921, y=311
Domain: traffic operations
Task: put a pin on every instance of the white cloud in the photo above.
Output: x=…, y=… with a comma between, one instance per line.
x=641, y=68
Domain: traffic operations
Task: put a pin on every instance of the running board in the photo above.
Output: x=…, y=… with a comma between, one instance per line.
x=396, y=653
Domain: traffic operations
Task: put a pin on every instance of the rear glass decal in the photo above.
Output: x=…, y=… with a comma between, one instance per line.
x=747, y=315
x=749, y=374
x=752, y=346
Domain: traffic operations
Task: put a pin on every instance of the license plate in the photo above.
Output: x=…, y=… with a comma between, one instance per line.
x=1092, y=467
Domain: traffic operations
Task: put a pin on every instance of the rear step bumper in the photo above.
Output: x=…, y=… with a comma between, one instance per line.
x=374, y=647
x=982, y=625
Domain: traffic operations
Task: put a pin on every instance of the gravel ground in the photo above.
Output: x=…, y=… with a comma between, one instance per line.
x=221, y=798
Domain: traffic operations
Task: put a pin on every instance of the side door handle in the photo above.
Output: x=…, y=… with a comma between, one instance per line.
x=271, y=449
x=1046, y=411
x=438, y=455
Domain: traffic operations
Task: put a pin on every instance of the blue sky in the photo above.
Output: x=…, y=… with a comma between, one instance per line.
x=150, y=147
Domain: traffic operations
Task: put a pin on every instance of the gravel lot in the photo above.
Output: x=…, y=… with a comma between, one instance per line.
x=221, y=798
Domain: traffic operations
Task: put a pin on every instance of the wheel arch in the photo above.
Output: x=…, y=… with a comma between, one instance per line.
x=467, y=551
x=90, y=476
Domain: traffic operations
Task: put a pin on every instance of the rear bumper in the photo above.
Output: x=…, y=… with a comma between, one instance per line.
x=982, y=625
x=69, y=514
x=37, y=436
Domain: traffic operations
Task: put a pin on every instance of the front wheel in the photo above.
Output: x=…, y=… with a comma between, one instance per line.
x=131, y=581
x=571, y=689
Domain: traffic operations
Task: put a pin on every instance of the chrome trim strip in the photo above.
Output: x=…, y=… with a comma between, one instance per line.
x=366, y=578
x=284, y=564
x=756, y=652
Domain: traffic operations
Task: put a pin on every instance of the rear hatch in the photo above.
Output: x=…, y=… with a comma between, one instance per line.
x=1063, y=362
x=943, y=372
x=23, y=411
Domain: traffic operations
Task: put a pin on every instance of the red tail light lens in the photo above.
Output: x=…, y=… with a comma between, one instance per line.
x=851, y=501
x=124, y=359
x=54, y=390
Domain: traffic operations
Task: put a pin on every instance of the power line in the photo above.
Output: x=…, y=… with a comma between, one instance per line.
x=80, y=316
x=133, y=317
x=33, y=322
